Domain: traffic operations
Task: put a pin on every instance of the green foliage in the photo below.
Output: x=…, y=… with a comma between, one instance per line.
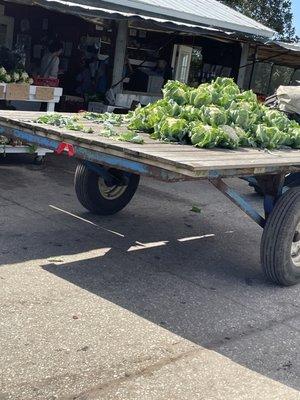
x=196, y=209
x=60, y=121
x=132, y=137
x=171, y=129
x=177, y=91
x=294, y=133
x=228, y=137
x=276, y=14
x=240, y=117
x=215, y=115
x=269, y=137
x=221, y=117
x=114, y=119
x=108, y=121
x=204, y=136
x=275, y=117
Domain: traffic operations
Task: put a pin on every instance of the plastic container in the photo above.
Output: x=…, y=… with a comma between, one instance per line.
x=39, y=81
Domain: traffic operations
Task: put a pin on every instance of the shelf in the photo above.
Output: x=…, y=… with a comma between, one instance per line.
x=149, y=64
x=139, y=48
x=103, y=57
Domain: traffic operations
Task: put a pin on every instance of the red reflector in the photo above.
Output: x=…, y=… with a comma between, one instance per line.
x=65, y=147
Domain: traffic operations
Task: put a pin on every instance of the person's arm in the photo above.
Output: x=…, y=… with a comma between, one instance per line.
x=53, y=70
x=43, y=66
x=129, y=66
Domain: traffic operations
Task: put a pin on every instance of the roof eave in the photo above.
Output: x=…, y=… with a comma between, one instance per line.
x=144, y=9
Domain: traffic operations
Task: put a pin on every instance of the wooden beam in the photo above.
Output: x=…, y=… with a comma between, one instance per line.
x=120, y=52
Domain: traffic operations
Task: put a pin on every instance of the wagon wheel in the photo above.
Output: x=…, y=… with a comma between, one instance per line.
x=39, y=160
x=101, y=197
x=280, y=247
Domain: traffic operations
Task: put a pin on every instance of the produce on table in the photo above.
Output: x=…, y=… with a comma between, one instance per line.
x=171, y=128
x=295, y=135
x=204, y=135
x=132, y=137
x=60, y=121
x=107, y=120
x=108, y=130
x=114, y=119
x=15, y=76
x=215, y=114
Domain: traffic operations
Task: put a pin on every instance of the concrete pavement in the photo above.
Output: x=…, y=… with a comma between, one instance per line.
x=156, y=302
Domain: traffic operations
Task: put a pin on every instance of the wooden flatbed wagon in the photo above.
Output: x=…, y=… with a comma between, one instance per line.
x=108, y=173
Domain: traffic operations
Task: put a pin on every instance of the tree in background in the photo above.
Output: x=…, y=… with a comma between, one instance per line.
x=276, y=14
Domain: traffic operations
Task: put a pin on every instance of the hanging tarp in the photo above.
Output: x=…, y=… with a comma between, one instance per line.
x=289, y=99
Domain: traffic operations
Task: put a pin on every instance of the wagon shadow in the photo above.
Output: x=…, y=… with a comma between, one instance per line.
x=199, y=289
x=208, y=289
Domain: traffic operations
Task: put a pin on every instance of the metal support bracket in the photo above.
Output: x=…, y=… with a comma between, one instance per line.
x=110, y=179
x=272, y=188
x=238, y=201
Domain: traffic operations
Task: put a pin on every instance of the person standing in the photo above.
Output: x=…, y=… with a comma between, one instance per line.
x=50, y=61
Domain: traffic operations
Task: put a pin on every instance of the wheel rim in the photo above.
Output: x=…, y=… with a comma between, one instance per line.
x=110, y=192
x=295, y=251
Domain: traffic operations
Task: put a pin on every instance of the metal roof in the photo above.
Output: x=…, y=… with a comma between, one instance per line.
x=194, y=16
x=205, y=12
x=289, y=46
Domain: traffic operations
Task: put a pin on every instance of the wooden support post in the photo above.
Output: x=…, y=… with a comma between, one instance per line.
x=243, y=62
x=120, y=52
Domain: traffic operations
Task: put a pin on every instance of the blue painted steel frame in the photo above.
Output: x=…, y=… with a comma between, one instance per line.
x=95, y=156
x=239, y=201
x=91, y=156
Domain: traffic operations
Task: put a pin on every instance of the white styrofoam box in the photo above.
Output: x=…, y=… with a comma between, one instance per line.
x=155, y=84
x=95, y=106
x=125, y=99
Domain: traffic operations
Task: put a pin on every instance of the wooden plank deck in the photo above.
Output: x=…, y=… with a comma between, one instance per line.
x=183, y=159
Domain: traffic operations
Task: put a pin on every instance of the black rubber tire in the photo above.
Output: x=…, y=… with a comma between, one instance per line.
x=39, y=160
x=88, y=193
x=258, y=190
x=277, y=239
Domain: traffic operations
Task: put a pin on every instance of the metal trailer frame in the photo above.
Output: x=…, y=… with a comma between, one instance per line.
x=39, y=153
x=270, y=180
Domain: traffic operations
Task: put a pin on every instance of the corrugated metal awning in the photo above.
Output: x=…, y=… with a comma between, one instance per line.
x=293, y=47
x=183, y=15
x=211, y=13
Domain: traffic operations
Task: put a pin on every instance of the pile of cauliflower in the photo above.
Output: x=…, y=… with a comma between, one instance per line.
x=216, y=114
x=16, y=76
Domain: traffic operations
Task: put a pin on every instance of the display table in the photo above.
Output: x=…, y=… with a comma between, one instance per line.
x=31, y=93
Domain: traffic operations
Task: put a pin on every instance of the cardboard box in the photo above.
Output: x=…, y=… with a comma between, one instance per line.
x=2, y=93
x=44, y=93
x=17, y=91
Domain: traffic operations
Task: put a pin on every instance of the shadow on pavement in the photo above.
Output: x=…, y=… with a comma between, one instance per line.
x=196, y=275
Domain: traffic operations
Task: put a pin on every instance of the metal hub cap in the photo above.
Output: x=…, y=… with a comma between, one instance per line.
x=295, y=251
x=110, y=192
